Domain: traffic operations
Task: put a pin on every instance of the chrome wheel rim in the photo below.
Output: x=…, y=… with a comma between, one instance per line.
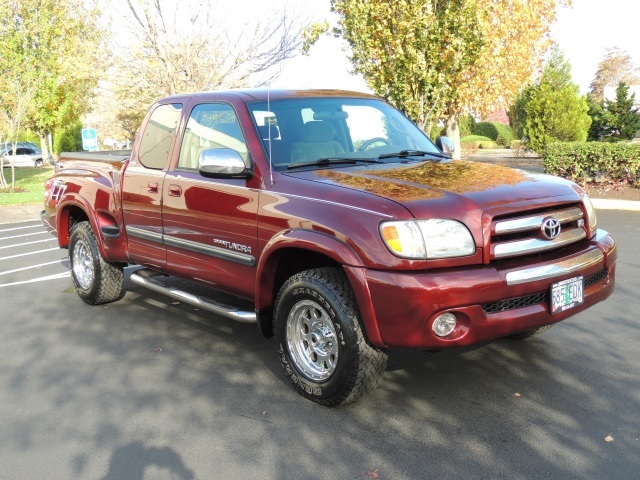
x=83, y=264
x=312, y=340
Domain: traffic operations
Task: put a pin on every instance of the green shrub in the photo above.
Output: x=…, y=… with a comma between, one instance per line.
x=498, y=132
x=586, y=162
x=437, y=131
x=68, y=139
x=474, y=138
x=486, y=129
x=467, y=123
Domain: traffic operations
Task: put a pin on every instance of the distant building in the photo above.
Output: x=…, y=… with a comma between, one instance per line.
x=500, y=116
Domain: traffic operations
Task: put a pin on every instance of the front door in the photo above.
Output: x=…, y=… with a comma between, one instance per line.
x=210, y=224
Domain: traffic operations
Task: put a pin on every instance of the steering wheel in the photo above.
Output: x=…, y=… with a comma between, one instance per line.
x=371, y=141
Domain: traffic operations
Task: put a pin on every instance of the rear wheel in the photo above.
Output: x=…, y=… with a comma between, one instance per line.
x=320, y=341
x=530, y=333
x=38, y=162
x=96, y=280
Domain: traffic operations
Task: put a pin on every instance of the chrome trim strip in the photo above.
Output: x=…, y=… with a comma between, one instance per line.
x=535, y=245
x=217, y=308
x=144, y=234
x=197, y=247
x=557, y=269
x=216, y=252
x=533, y=223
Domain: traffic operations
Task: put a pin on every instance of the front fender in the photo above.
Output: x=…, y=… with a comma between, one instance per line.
x=325, y=245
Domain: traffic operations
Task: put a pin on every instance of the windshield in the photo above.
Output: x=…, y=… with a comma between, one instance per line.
x=304, y=131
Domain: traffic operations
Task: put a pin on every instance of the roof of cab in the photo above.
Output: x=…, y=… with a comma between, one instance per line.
x=264, y=94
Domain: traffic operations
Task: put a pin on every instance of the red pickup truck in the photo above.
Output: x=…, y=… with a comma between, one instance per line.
x=335, y=224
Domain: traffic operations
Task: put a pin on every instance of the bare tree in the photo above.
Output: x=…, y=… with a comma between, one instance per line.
x=617, y=66
x=180, y=46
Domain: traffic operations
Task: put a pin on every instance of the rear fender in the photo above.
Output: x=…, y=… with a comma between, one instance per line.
x=112, y=241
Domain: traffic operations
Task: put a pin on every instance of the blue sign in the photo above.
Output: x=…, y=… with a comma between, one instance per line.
x=89, y=139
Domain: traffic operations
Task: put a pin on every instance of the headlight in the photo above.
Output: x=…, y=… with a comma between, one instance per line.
x=591, y=214
x=435, y=238
x=592, y=220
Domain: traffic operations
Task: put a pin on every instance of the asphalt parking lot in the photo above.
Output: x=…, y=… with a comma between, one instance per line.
x=148, y=388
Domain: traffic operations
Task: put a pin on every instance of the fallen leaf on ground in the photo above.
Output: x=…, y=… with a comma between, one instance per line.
x=517, y=394
x=608, y=438
x=157, y=349
x=373, y=474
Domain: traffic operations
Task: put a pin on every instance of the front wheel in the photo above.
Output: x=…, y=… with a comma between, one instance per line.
x=320, y=341
x=96, y=280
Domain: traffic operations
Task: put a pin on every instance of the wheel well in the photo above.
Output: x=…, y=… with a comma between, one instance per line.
x=294, y=260
x=289, y=262
x=71, y=216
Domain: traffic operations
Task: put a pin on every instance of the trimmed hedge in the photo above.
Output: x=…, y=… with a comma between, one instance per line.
x=478, y=140
x=498, y=132
x=601, y=162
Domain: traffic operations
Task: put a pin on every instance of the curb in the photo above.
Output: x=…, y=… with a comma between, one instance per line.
x=611, y=204
x=20, y=213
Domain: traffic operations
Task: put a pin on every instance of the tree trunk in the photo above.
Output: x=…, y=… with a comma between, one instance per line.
x=43, y=146
x=453, y=132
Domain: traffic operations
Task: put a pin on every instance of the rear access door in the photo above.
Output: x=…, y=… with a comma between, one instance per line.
x=142, y=187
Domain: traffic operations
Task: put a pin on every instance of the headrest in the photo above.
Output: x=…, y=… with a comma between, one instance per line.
x=317, y=132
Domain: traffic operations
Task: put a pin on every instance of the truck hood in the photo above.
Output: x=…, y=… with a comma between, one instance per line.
x=450, y=189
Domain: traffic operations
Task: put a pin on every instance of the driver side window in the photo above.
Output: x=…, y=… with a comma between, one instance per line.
x=211, y=125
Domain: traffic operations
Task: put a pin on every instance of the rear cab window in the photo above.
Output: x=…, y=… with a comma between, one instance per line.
x=156, y=139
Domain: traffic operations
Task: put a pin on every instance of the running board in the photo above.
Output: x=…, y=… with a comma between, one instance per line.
x=145, y=279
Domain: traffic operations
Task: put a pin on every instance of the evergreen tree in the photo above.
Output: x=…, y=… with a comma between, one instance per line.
x=554, y=110
x=623, y=121
x=616, y=120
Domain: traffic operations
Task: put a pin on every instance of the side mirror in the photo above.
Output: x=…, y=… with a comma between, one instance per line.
x=222, y=163
x=445, y=145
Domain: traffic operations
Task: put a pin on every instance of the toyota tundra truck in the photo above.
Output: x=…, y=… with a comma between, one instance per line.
x=332, y=222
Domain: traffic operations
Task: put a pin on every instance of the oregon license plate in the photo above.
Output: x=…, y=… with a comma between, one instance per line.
x=566, y=294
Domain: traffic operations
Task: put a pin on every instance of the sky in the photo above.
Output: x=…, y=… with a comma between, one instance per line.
x=584, y=31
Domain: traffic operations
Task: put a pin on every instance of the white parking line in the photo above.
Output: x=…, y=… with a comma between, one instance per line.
x=29, y=253
x=29, y=268
x=28, y=243
x=41, y=279
x=39, y=225
x=23, y=235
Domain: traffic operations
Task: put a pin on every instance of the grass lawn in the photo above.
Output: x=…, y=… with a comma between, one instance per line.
x=30, y=180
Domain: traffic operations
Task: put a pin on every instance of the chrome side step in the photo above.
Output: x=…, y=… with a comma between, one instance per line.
x=145, y=278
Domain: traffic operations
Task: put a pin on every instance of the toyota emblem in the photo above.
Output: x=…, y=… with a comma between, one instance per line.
x=550, y=228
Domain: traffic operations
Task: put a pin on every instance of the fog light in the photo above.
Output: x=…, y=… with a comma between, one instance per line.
x=444, y=324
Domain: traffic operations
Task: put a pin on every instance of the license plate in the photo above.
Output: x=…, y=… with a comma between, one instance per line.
x=566, y=294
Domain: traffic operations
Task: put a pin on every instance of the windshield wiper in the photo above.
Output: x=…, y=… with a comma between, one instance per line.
x=321, y=162
x=413, y=153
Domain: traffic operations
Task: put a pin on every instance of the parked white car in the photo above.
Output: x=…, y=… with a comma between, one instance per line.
x=27, y=155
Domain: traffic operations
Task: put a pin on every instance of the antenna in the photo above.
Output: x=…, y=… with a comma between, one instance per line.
x=269, y=130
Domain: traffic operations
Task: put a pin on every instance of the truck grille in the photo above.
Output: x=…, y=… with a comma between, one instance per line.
x=536, y=298
x=536, y=232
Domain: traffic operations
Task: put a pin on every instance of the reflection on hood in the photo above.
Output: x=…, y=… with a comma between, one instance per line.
x=399, y=191
x=428, y=180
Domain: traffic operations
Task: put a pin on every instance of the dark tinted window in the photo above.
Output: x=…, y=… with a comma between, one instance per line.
x=156, y=140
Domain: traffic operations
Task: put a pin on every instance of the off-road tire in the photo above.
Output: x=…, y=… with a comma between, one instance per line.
x=327, y=294
x=530, y=333
x=96, y=280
